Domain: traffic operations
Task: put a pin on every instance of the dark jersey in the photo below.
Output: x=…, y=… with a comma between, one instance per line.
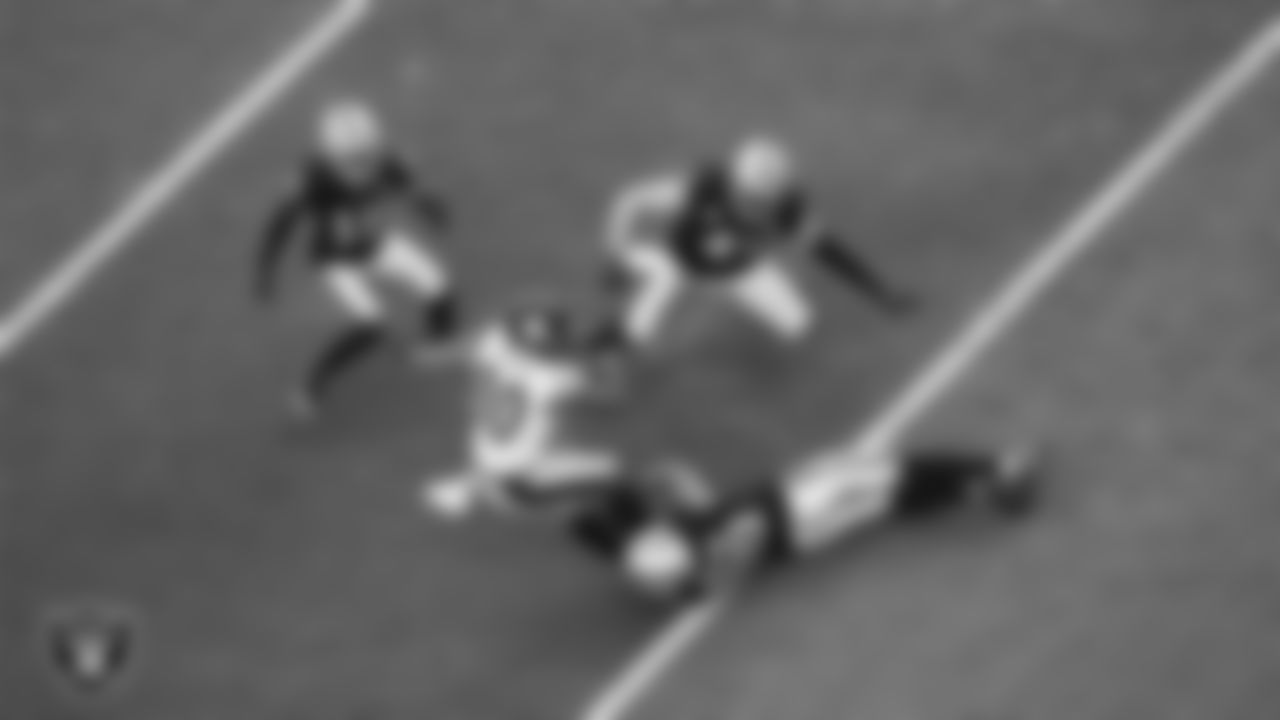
x=341, y=212
x=343, y=209
x=719, y=234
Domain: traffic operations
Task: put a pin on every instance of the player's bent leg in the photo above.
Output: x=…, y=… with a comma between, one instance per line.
x=406, y=262
x=343, y=352
x=350, y=288
x=768, y=293
x=657, y=283
x=409, y=264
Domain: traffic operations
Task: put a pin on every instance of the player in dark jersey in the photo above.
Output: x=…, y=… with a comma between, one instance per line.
x=728, y=225
x=356, y=207
x=682, y=545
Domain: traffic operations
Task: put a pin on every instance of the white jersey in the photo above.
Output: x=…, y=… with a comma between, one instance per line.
x=519, y=402
x=837, y=491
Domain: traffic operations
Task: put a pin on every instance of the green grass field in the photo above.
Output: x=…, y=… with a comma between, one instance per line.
x=286, y=573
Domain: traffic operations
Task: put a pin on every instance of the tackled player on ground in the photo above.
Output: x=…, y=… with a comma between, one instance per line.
x=671, y=535
x=674, y=534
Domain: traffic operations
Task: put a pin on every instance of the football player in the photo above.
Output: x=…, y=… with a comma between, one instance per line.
x=350, y=204
x=725, y=225
x=529, y=372
x=703, y=541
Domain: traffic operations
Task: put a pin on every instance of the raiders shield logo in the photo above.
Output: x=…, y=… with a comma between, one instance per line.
x=91, y=646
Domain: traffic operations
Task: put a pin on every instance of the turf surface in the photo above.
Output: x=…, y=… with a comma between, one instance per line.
x=285, y=572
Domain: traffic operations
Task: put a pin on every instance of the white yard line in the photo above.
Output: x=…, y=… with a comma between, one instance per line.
x=1083, y=229
x=196, y=153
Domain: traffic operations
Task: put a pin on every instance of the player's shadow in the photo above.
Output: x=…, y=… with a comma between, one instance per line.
x=754, y=358
x=942, y=544
x=710, y=333
x=387, y=396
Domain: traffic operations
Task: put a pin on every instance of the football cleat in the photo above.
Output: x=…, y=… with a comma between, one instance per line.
x=303, y=405
x=1014, y=488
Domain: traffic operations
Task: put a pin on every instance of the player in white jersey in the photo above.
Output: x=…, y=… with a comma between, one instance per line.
x=528, y=377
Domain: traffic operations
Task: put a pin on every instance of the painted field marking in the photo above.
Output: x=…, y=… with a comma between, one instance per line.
x=195, y=154
x=989, y=323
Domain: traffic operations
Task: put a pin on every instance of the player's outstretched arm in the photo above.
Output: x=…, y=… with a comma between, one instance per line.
x=852, y=269
x=428, y=202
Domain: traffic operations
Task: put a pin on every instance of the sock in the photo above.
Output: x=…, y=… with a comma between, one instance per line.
x=780, y=543
x=441, y=317
x=939, y=480
x=342, y=353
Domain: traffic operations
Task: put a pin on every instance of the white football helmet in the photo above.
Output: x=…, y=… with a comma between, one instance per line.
x=348, y=128
x=659, y=561
x=761, y=165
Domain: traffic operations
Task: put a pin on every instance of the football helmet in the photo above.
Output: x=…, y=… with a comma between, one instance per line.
x=348, y=129
x=761, y=165
x=660, y=561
